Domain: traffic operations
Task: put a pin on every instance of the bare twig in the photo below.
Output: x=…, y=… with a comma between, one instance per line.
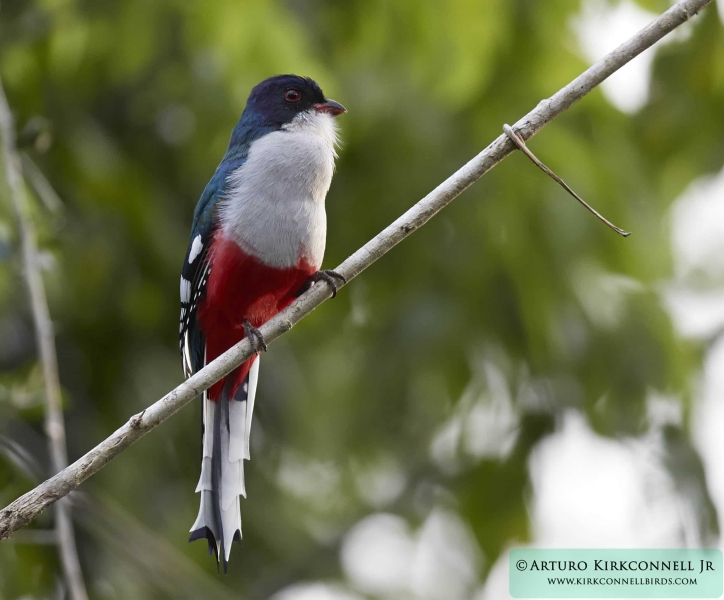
x=41, y=185
x=515, y=138
x=27, y=507
x=54, y=426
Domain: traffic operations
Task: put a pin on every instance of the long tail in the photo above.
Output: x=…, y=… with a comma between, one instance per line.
x=226, y=429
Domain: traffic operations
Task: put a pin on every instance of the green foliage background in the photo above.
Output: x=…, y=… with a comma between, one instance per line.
x=140, y=97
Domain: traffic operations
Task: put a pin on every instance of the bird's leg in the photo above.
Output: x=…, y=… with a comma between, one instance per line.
x=256, y=339
x=331, y=277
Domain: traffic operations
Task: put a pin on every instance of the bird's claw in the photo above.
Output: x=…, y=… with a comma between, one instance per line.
x=256, y=339
x=328, y=275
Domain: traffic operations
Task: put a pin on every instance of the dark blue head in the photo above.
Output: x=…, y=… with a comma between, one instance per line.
x=277, y=100
x=272, y=104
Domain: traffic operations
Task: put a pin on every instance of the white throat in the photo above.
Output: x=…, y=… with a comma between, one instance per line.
x=274, y=209
x=322, y=125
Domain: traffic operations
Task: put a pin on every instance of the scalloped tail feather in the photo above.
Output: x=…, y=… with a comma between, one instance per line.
x=227, y=426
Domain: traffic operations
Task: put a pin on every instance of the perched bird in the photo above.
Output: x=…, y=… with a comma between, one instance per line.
x=257, y=242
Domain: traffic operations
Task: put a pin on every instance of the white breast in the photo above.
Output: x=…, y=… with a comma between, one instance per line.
x=275, y=207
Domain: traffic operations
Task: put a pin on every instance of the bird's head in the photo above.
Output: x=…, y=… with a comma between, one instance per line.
x=281, y=99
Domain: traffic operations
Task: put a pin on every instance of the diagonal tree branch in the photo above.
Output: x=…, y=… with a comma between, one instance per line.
x=27, y=507
x=45, y=336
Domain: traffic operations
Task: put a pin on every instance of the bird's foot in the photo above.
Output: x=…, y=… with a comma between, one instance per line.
x=331, y=277
x=256, y=339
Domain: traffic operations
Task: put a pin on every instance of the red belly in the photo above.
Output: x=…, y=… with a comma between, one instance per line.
x=240, y=287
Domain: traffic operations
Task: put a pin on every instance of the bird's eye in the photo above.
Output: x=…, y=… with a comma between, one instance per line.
x=293, y=96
